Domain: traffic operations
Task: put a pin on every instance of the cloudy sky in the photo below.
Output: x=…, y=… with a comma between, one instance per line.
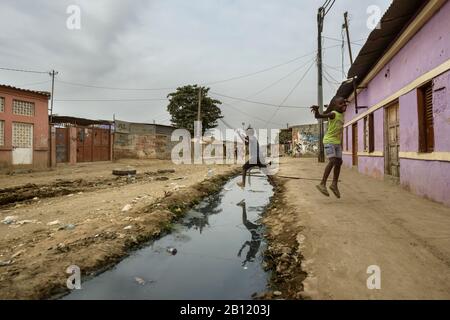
x=163, y=44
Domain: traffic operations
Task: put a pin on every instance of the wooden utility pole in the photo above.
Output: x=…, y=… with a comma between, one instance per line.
x=348, y=37
x=320, y=19
x=53, y=73
x=199, y=111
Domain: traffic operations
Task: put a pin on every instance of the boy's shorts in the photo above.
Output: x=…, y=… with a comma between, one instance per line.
x=333, y=151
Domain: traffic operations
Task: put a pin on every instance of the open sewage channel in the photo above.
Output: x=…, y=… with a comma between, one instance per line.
x=215, y=252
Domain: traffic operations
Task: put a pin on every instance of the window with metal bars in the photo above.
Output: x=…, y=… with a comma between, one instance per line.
x=2, y=104
x=426, y=118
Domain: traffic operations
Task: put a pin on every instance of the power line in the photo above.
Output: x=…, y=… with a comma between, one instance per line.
x=249, y=115
x=108, y=100
x=112, y=88
x=255, y=102
x=26, y=71
x=291, y=92
x=329, y=8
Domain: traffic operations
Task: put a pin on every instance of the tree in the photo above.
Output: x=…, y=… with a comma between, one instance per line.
x=183, y=107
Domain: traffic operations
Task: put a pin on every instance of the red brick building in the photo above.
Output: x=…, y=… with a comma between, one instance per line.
x=24, y=128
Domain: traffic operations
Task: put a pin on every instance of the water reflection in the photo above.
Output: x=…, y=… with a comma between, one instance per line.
x=256, y=232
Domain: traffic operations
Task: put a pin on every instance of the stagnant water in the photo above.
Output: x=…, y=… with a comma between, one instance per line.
x=219, y=255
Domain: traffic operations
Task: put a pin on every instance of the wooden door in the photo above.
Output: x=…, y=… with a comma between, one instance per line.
x=393, y=140
x=62, y=145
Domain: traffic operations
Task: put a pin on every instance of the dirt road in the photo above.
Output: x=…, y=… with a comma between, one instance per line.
x=85, y=216
x=375, y=223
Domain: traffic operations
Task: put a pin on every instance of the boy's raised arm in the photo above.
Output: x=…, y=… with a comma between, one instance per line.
x=318, y=115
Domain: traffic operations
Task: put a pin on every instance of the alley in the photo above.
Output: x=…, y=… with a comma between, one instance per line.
x=376, y=223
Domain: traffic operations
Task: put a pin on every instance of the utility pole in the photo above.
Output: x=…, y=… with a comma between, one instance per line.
x=199, y=111
x=348, y=36
x=320, y=19
x=53, y=73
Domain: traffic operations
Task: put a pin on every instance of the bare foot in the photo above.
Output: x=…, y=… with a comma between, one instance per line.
x=323, y=190
x=241, y=185
x=335, y=190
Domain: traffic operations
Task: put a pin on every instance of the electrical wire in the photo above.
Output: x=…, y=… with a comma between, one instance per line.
x=255, y=102
x=25, y=71
x=108, y=100
x=291, y=92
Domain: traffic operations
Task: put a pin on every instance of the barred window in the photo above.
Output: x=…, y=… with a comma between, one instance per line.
x=22, y=135
x=2, y=133
x=23, y=108
x=2, y=104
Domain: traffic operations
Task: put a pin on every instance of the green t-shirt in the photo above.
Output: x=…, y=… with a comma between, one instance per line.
x=335, y=129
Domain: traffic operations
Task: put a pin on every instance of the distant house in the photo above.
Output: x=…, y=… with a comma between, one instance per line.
x=24, y=129
x=401, y=128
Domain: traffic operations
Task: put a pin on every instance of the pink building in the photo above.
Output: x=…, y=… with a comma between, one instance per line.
x=24, y=128
x=402, y=131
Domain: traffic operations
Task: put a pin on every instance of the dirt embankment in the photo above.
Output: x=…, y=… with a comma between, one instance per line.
x=283, y=256
x=39, y=257
x=32, y=192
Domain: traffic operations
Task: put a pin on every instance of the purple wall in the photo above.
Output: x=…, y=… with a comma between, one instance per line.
x=441, y=109
x=430, y=179
x=409, y=129
x=428, y=49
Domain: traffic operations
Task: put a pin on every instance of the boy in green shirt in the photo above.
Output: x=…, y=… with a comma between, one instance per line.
x=332, y=142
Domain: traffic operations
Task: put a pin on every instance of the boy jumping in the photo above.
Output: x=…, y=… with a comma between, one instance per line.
x=254, y=161
x=332, y=142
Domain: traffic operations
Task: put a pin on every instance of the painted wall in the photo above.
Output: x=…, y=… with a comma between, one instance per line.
x=428, y=49
x=40, y=127
x=305, y=140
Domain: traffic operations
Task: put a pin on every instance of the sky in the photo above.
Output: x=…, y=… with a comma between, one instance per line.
x=164, y=44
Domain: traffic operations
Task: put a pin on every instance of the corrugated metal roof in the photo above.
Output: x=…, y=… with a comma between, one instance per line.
x=42, y=93
x=395, y=20
x=78, y=121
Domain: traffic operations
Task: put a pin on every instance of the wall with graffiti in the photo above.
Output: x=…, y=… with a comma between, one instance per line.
x=305, y=140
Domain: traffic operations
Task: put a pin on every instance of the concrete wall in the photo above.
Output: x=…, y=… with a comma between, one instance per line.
x=142, y=141
x=40, y=127
x=428, y=49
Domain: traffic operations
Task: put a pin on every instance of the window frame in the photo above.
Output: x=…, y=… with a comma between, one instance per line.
x=2, y=133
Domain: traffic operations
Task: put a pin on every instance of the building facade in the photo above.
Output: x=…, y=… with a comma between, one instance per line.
x=24, y=128
x=402, y=128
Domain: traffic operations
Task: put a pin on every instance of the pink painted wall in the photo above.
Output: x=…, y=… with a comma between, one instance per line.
x=40, y=126
x=428, y=49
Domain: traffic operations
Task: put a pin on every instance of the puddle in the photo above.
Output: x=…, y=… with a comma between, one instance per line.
x=219, y=254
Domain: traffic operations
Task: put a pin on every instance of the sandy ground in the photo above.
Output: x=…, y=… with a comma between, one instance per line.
x=87, y=225
x=375, y=223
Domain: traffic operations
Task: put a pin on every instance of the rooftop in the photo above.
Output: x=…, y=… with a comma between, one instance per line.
x=41, y=93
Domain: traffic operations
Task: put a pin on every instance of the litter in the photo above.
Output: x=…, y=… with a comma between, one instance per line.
x=9, y=220
x=127, y=208
x=172, y=251
x=53, y=223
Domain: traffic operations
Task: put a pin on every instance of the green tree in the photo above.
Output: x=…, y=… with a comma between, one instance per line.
x=183, y=107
